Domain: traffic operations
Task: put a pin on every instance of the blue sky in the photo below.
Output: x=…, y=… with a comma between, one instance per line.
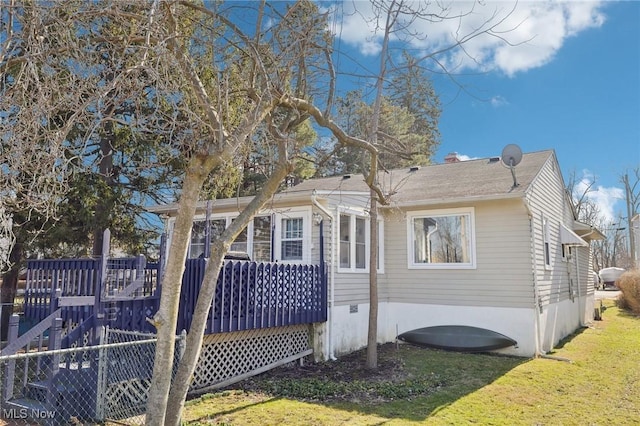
x=569, y=80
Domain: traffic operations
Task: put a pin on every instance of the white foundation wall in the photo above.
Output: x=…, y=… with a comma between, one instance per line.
x=559, y=320
x=588, y=306
x=349, y=328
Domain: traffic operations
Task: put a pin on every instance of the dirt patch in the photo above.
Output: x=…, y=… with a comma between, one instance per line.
x=346, y=379
x=349, y=367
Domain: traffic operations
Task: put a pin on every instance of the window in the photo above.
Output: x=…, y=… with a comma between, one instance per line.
x=353, y=242
x=255, y=239
x=279, y=236
x=441, y=239
x=199, y=235
x=546, y=245
x=240, y=243
x=292, y=234
x=262, y=239
x=198, y=239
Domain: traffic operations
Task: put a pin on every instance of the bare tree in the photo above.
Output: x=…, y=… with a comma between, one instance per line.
x=632, y=196
x=34, y=167
x=204, y=85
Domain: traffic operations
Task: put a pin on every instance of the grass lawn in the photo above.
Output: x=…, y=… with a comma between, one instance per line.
x=600, y=386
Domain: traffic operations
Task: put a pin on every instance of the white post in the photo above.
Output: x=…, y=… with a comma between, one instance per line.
x=101, y=385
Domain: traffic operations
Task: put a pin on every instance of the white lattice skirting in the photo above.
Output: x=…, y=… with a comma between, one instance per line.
x=230, y=357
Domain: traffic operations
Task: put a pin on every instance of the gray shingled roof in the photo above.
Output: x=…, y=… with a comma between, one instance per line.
x=479, y=179
x=483, y=179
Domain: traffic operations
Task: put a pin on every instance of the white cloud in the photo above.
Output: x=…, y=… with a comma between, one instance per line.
x=525, y=36
x=463, y=157
x=605, y=198
x=498, y=101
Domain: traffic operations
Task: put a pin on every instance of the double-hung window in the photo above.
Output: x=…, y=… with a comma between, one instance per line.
x=292, y=242
x=354, y=240
x=441, y=239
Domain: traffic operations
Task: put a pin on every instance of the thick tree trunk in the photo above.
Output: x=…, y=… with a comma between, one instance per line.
x=195, y=337
x=9, y=288
x=165, y=318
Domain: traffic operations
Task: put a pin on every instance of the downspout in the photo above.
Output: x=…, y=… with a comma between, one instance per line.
x=330, y=300
x=537, y=307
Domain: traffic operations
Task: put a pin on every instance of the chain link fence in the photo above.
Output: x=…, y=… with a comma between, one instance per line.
x=104, y=384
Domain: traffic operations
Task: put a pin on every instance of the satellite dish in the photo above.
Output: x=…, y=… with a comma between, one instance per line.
x=511, y=157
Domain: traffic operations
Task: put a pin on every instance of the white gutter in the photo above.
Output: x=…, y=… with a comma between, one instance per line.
x=332, y=280
x=232, y=204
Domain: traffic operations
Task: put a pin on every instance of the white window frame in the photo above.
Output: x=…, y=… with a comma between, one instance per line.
x=276, y=224
x=305, y=215
x=352, y=215
x=381, y=246
x=228, y=218
x=546, y=243
x=465, y=211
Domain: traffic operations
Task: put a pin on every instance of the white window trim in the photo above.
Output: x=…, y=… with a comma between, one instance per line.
x=469, y=211
x=546, y=243
x=277, y=216
x=228, y=218
x=305, y=214
x=381, y=246
x=352, y=214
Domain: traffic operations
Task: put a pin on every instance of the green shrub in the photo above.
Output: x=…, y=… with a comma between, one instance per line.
x=629, y=285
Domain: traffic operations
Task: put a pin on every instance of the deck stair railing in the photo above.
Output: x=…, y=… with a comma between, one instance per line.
x=128, y=278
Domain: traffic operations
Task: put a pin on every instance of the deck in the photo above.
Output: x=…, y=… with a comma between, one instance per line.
x=123, y=293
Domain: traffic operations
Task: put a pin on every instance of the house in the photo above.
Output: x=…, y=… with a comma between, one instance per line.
x=461, y=243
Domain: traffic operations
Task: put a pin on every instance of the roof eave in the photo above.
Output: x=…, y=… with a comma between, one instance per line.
x=439, y=201
x=171, y=209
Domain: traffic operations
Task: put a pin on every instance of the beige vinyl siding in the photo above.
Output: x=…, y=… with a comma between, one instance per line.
x=502, y=276
x=547, y=199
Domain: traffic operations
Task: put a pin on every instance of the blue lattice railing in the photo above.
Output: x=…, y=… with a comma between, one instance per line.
x=249, y=295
